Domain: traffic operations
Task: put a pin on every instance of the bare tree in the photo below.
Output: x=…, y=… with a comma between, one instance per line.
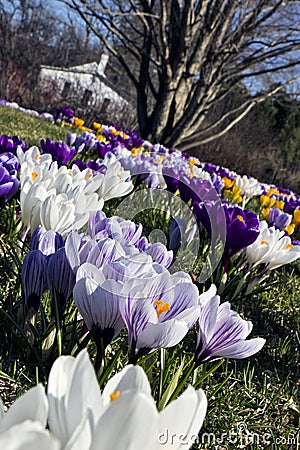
x=184, y=57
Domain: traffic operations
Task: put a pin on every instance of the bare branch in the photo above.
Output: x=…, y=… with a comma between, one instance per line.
x=185, y=56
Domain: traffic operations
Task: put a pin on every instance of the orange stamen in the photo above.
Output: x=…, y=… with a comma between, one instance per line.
x=160, y=307
x=264, y=242
x=113, y=396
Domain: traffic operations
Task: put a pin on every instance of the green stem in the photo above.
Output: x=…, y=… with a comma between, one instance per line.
x=161, y=374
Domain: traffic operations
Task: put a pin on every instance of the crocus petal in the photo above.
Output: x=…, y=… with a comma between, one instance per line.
x=162, y=335
x=185, y=295
x=184, y=417
x=130, y=422
x=28, y=435
x=82, y=436
x=72, y=244
x=72, y=390
x=59, y=377
x=242, y=350
x=88, y=270
x=142, y=311
x=32, y=405
x=99, y=305
x=208, y=319
x=207, y=295
x=222, y=333
x=130, y=378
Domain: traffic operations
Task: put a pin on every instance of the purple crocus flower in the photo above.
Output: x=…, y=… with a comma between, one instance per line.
x=96, y=223
x=34, y=280
x=96, y=301
x=11, y=144
x=60, y=151
x=81, y=248
x=71, y=139
x=90, y=139
x=96, y=166
x=47, y=242
x=139, y=166
x=171, y=177
x=211, y=216
x=99, y=225
x=65, y=114
x=179, y=235
x=158, y=312
x=79, y=163
x=60, y=277
x=160, y=254
x=101, y=149
x=222, y=332
x=157, y=251
x=291, y=205
x=68, y=114
x=129, y=267
x=9, y=183
x=221, y=171
x=279, y=219
x=196, y=189
x=242, y=228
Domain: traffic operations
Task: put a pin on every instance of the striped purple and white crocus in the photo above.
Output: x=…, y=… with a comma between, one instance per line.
x=222, y=332
x=158, y=312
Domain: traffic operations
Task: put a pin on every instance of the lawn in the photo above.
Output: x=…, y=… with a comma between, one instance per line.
x=30, y=128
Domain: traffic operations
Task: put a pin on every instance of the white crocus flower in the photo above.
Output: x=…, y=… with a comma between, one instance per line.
x=31, y=197
x=284, y=253
x=272, y=247
x=57, y=213
x=35, y=173
x=250, y=186
x=124, y=416
x=59, y=199
x=33, y=156
x=130, y=378
x=132, y=421
x=64, y=182
x=68, y=179
x=199, y=173
x=116, y=181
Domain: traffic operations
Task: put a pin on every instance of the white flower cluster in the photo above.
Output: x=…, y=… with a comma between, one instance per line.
x=61, y=199
x=249, y=185
x=81, y=418
x=272, y=247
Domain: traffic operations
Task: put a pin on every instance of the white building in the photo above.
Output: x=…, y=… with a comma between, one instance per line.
x=84, y=86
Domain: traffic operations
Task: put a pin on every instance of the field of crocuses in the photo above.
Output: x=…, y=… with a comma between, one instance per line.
x=147, y=299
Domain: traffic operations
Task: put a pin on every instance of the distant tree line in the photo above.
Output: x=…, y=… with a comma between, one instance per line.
x=32, y=34
x=265, y=144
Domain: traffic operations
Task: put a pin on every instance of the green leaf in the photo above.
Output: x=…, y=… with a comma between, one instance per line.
x=171, y=388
